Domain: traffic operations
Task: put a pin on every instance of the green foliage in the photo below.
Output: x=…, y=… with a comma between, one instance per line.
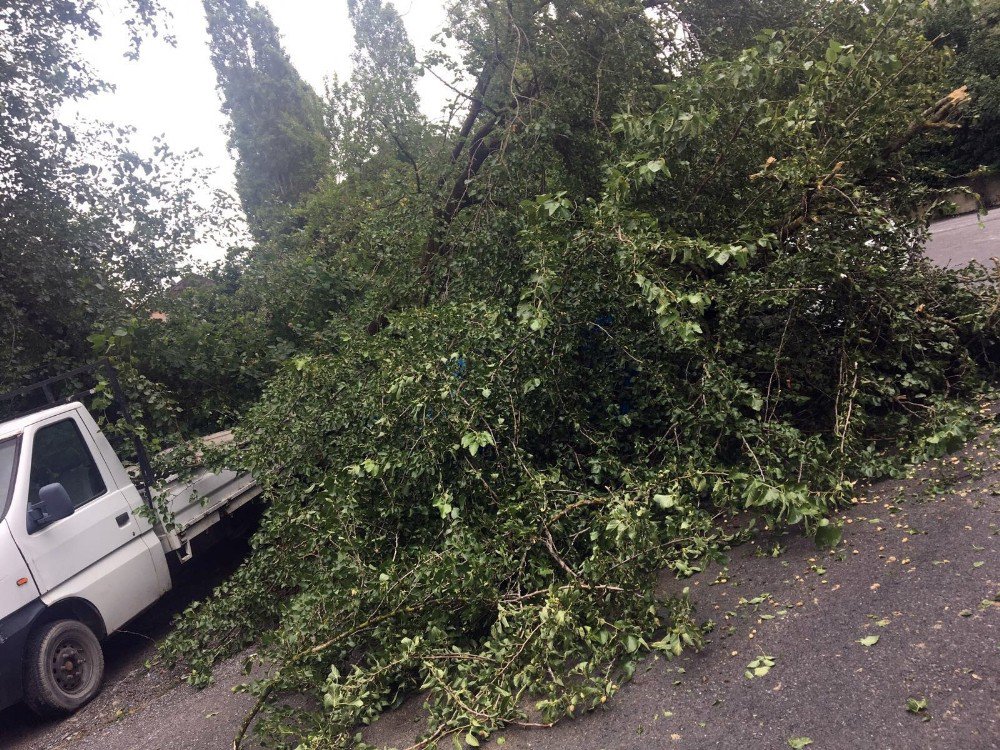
x=580, y=372
x=453, y=531
x=89, y=229
x=759, y=667
x=154, y=410
x=720, y=28
x=219, y=339
x=375, y=116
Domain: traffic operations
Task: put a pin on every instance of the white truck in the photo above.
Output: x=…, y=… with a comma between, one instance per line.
x=81, y=550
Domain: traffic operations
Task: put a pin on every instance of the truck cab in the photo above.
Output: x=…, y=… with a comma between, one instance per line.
x=81, y=552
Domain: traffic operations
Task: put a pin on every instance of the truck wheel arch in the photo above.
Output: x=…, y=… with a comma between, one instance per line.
x=74, y=608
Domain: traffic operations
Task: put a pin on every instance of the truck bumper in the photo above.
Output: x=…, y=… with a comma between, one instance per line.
x=14, y=629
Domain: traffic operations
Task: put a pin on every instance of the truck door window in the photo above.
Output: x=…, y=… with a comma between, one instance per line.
x=59, y=454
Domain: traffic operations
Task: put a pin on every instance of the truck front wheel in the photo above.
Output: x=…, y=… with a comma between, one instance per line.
x=64, y=667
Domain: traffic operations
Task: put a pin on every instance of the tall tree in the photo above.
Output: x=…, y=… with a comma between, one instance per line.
x=275, y=118
x=377, y=112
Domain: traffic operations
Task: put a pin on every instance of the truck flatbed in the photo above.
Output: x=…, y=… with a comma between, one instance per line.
x=198, y=503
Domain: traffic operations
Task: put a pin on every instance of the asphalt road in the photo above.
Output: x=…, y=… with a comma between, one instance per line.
x=962, y=239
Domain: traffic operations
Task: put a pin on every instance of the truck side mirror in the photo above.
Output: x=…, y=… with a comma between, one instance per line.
x=53, y=505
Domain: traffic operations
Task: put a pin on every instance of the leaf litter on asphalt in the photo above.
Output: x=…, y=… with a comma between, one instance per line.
x=918, y=706
x=759, y=666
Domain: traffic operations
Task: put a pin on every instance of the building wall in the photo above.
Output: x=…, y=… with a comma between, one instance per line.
x=988, y=188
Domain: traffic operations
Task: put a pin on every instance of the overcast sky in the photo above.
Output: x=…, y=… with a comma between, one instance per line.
x=171, y=91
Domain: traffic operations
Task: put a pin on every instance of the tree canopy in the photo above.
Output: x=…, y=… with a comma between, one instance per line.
x=89, y=228
x=276, y=119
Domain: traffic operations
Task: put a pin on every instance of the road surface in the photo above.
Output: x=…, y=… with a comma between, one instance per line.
x=962, y=239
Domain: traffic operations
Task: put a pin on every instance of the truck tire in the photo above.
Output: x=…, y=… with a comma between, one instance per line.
x=64, y=667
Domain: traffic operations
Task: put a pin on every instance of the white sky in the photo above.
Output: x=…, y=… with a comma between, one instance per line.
x=171, y=91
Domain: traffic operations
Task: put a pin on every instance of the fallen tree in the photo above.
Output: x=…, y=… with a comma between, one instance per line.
x=475, y=501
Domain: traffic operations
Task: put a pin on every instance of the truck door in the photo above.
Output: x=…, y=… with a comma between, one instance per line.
x=97, y=553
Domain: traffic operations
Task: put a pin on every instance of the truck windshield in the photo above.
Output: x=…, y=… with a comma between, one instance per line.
x=8, y=455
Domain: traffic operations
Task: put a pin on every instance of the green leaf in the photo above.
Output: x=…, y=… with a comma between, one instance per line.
x=471, y=740
x=759, y=667
x=867, y=641
x=664, y=501
x=828, y=534
x=799, y=742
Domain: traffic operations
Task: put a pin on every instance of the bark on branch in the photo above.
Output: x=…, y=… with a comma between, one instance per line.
x=478, y=151
x=940, y=115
